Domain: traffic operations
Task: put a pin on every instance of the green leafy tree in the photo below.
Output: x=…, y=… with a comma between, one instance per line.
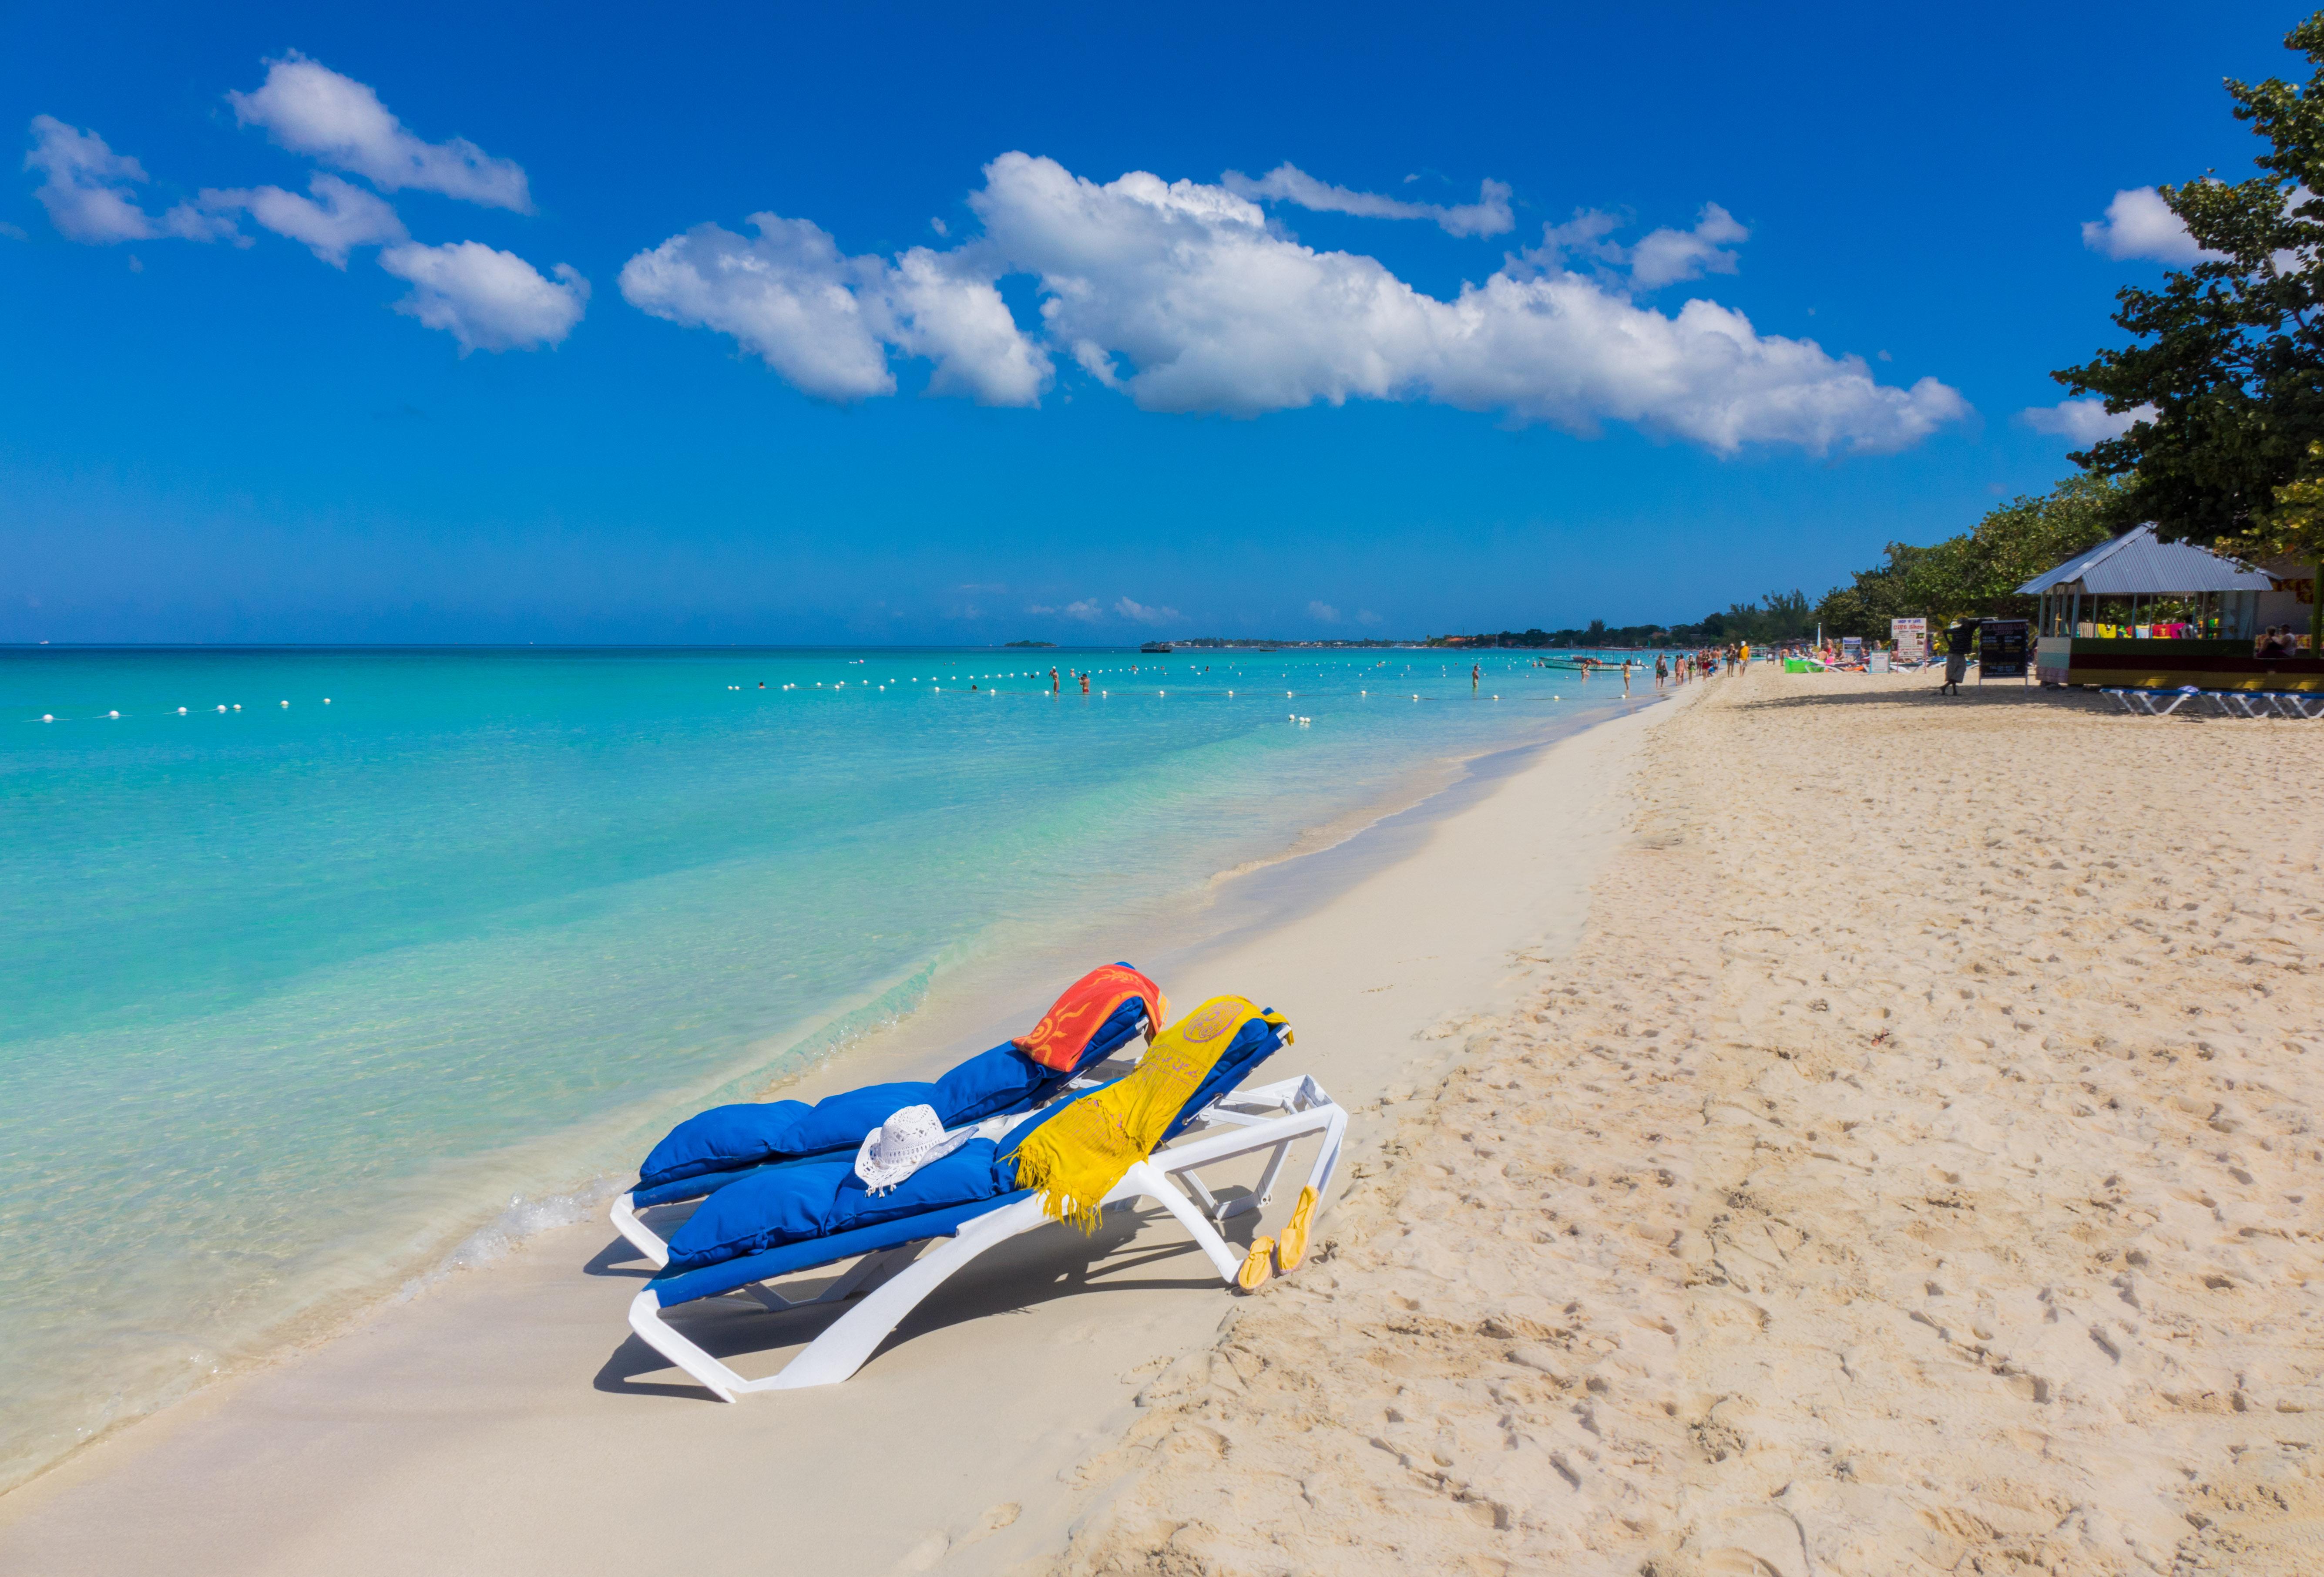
x=1977, y=572
x=2227, y=367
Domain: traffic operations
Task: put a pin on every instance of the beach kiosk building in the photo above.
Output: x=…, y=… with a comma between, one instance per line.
x=2141, y=614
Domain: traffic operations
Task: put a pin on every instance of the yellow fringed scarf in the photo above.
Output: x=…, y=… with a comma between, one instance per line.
x=1077, y=1156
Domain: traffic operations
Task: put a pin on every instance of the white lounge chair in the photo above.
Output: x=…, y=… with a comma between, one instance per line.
x=2143, y=701
x=891, y=1274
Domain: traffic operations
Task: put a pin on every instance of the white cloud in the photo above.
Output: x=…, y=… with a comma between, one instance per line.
x=1138, y=612
x=485, y=298
x=1325, y=612
x=337, y=217
x=1584, y=235
x=1368, y=617
x=85, y=187
x=959, y=322
x=1667, y=257
x=2140, y=224
x=1086, y=610
x=1662, y=257
x=1180, y=295
x=13, y=232
x=1214, y=313
x=825, y=320
x=1490, y=215
x=1038, y=608
x=784, y=295
x=311, y=109
x=2084, y=421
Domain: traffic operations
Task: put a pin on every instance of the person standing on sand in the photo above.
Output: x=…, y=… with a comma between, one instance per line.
x=1956, y=666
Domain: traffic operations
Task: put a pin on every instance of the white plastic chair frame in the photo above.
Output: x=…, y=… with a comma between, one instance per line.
x=892, y=1282
x=2134, y=701
x=2294, y=704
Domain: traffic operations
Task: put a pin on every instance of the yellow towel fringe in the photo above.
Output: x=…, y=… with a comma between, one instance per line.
x=1076, y=1157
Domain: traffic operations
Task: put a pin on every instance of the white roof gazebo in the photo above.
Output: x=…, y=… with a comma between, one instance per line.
x=2134, y=565
x=2137, y=613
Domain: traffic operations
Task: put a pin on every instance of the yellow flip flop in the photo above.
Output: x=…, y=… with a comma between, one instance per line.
x=1292, y=1247
x=1257, y=1265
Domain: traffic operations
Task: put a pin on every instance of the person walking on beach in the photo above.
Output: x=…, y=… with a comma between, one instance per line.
x=1662, y=670
x=1625, y=678
x=1956, y=666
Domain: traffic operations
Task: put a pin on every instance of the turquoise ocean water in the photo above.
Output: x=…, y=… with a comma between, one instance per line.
x=297, y=1000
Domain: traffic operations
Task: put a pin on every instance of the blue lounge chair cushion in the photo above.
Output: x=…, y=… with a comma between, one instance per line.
x=816, y=1200
x=793, y=1205
x=674, y=1285
x=750, y=1133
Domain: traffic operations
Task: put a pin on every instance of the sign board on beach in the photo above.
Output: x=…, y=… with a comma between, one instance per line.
x=2001, y=649
x=1912, y=639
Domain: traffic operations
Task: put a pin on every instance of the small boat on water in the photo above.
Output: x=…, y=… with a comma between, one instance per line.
x=1162, y=648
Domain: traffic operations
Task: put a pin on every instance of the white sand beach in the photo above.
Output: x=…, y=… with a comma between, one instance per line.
x=1914, y=1170
x=1810, y=1127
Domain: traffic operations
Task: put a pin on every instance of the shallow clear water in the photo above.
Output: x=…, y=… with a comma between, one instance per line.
x=293, y=998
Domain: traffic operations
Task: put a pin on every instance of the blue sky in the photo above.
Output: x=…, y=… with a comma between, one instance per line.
x=968, y=383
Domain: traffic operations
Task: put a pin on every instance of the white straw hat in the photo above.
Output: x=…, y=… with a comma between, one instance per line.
x=902, y=1145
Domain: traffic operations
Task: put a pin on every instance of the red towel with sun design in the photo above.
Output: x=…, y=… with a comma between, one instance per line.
x=1063, y=1033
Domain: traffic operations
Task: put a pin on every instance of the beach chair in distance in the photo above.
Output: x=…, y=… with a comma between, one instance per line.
x=2253, y=703
x=2301, y=704
x=971, y=1209
x=2142, y=701
x=715, y=1148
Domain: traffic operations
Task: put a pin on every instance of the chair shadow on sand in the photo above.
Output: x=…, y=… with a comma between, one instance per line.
x=1056, y=1261
x=1999, y=693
